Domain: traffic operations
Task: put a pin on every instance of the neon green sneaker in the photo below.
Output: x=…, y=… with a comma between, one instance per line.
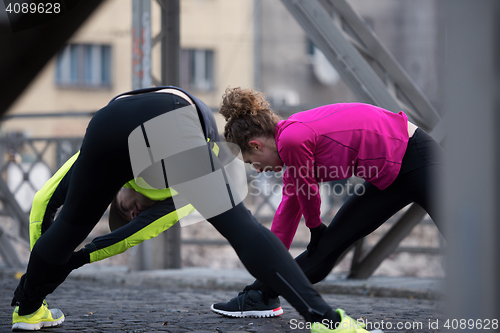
x=43, y=317
x=346, y=325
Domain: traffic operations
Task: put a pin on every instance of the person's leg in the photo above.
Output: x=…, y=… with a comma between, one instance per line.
x=94, y=180
x=419, y=184
x=101, y=169
x=361, y=215
x=358, y=217
x=266, y=258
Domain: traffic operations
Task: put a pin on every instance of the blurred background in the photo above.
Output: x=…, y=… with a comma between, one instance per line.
x=257, y=44
x=223, y=43
x=436, y=60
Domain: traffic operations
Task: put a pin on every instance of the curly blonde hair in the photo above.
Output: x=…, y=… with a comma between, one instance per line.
x=248, y=116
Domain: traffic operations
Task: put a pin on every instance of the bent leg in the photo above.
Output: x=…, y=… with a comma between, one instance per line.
x=267, y=259
x=358, y=217
x=49, y=262
x=422, y=183
x=102, y=167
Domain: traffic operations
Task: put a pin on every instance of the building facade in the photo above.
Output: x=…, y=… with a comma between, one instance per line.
x=96, y=64
x=224, y=43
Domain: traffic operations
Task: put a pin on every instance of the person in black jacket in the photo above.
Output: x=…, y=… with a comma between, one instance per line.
x=158, y=141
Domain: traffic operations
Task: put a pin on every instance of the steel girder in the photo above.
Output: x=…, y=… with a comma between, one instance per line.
x=375, y=77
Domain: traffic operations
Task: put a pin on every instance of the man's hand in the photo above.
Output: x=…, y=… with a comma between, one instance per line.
x=79, y=258
x=315, y=235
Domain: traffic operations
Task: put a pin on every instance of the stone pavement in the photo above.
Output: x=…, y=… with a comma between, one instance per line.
x=101, y=299
x=233, y=279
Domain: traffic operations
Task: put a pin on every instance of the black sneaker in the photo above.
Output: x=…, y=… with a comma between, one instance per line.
x=249, y=304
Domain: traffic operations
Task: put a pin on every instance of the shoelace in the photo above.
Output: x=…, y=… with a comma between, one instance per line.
x=241, y=305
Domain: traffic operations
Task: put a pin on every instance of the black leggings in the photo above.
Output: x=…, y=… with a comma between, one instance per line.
x=99, y=172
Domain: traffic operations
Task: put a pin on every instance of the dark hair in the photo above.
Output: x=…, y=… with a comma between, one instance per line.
x=248, y=116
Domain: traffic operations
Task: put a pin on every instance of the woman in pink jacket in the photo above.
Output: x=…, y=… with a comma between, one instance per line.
x=396, y=159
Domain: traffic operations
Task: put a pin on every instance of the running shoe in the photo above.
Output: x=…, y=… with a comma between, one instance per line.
x=249, y=303
x=43, y=317
x=346, y=325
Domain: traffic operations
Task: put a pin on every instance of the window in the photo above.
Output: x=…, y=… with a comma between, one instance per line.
x=84, y=65
x=197, y=69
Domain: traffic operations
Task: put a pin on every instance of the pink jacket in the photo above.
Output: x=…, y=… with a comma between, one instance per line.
x=329, y=143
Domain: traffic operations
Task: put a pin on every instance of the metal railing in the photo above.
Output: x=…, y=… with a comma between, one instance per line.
x=26, y=157
x=21, y=158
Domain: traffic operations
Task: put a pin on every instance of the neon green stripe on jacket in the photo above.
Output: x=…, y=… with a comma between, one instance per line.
x=140, y=185
x=150, y=231
x=151, y=193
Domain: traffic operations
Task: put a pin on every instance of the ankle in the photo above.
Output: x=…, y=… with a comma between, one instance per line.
x=331, y=316
x=29, y=307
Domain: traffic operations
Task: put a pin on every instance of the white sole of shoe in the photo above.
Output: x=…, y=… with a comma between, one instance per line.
x=37, y=326
x=252, y=314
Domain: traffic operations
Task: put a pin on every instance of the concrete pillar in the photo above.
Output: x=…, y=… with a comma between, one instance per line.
x=470, y=200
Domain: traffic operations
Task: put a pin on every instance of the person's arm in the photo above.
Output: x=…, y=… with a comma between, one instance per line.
x=148, y=224
x=296, y=149
x=287, y=217
x=48, y=200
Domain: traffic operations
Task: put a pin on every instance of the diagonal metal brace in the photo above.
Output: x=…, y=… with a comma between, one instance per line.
x=363, y=62
x=365, y=267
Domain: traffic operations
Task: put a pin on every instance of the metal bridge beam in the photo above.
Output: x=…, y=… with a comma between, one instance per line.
x=363, y=62
x=24, y=52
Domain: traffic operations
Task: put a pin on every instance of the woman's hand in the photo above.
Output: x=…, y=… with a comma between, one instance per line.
x=267, y=293
x=315, y=235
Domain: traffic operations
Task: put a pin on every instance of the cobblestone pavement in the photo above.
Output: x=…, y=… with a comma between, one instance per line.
x=104, y=307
